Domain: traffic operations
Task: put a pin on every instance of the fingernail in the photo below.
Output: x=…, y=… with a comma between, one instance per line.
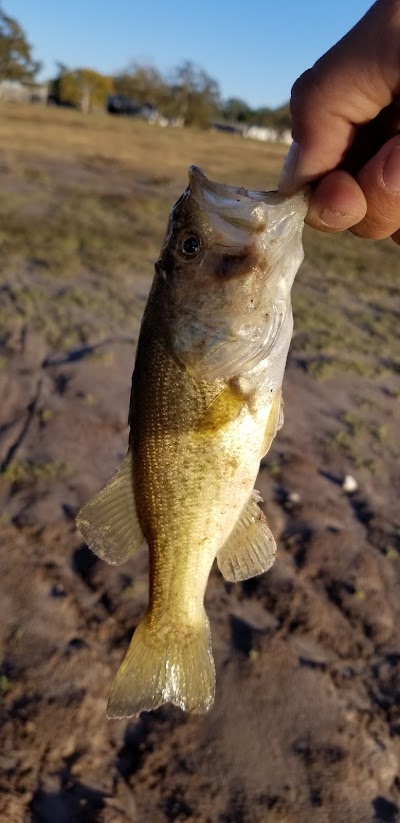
x=288, y=174
x=391, y=170
x=335, y=220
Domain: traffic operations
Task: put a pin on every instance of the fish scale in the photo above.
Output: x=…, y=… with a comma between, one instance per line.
x=205, y=407
x=175, y=504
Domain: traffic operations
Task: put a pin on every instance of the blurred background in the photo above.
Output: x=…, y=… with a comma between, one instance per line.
x=102, y=110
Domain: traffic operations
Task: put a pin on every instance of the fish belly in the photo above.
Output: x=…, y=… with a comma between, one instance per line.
x=196, y=449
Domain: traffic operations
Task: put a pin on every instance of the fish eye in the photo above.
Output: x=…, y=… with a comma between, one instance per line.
x=191, y=245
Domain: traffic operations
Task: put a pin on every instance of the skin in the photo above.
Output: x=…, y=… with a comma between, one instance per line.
x=346, y=119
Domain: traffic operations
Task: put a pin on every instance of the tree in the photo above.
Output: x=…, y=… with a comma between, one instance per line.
x=282, y=117
x=143, y=84
x=236, y=110
x=81, y=88
x=264, y=116
x=16, y=62
x=195, y=95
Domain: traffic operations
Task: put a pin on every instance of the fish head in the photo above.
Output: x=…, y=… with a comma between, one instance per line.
x=226, y=270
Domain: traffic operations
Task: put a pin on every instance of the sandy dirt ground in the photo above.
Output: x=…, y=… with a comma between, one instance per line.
x=306, y=723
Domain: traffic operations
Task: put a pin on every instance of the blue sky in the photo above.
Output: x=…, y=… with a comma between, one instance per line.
x=254, y=48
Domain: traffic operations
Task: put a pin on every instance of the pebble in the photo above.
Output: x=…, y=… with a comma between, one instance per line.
x=294, y=497
x=350, y=484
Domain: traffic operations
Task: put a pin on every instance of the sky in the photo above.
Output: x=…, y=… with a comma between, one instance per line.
x=255, y=49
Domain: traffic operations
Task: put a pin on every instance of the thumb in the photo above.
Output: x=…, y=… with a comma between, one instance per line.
x=346, y=88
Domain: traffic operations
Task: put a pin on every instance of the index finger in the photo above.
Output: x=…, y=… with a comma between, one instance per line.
x=346, y=88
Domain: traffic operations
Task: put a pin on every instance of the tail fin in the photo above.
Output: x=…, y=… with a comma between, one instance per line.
x=172, y=667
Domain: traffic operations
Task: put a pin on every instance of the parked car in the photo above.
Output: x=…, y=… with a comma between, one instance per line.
x=122, y=104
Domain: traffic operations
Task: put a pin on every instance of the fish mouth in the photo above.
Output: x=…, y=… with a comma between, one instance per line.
x=270, y=215
x=247, y=208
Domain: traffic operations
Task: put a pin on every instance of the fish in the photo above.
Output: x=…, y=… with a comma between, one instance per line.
x=206, y=404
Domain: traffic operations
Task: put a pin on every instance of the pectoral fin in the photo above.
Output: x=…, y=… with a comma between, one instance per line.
x=274, y=423
x=224, y=408
x=109, y=521
x=250, y=548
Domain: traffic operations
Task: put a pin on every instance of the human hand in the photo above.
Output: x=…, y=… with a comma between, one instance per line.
x=346, y=124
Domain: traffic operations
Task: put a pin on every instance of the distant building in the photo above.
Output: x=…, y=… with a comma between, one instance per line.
x=285, y=137
x=13, y=91
x=264, y=133
x=268, y=134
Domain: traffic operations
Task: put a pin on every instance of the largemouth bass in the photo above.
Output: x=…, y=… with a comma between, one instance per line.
x=205, y=407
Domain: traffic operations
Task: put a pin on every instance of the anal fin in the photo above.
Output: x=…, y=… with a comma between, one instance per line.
x=250, y=548
x=109, y=521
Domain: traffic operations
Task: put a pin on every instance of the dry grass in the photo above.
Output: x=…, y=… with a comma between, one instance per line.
x=149, y=154
x=83, y=208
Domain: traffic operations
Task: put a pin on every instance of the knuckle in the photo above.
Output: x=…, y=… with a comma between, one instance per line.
x=383, y=204
x=309, y=89
x=300, y=90
x=374, y=227
x=383, y=217
x=361, y=230
x=383, y=212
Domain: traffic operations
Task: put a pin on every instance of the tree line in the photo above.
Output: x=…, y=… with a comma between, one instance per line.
x=188, y=92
